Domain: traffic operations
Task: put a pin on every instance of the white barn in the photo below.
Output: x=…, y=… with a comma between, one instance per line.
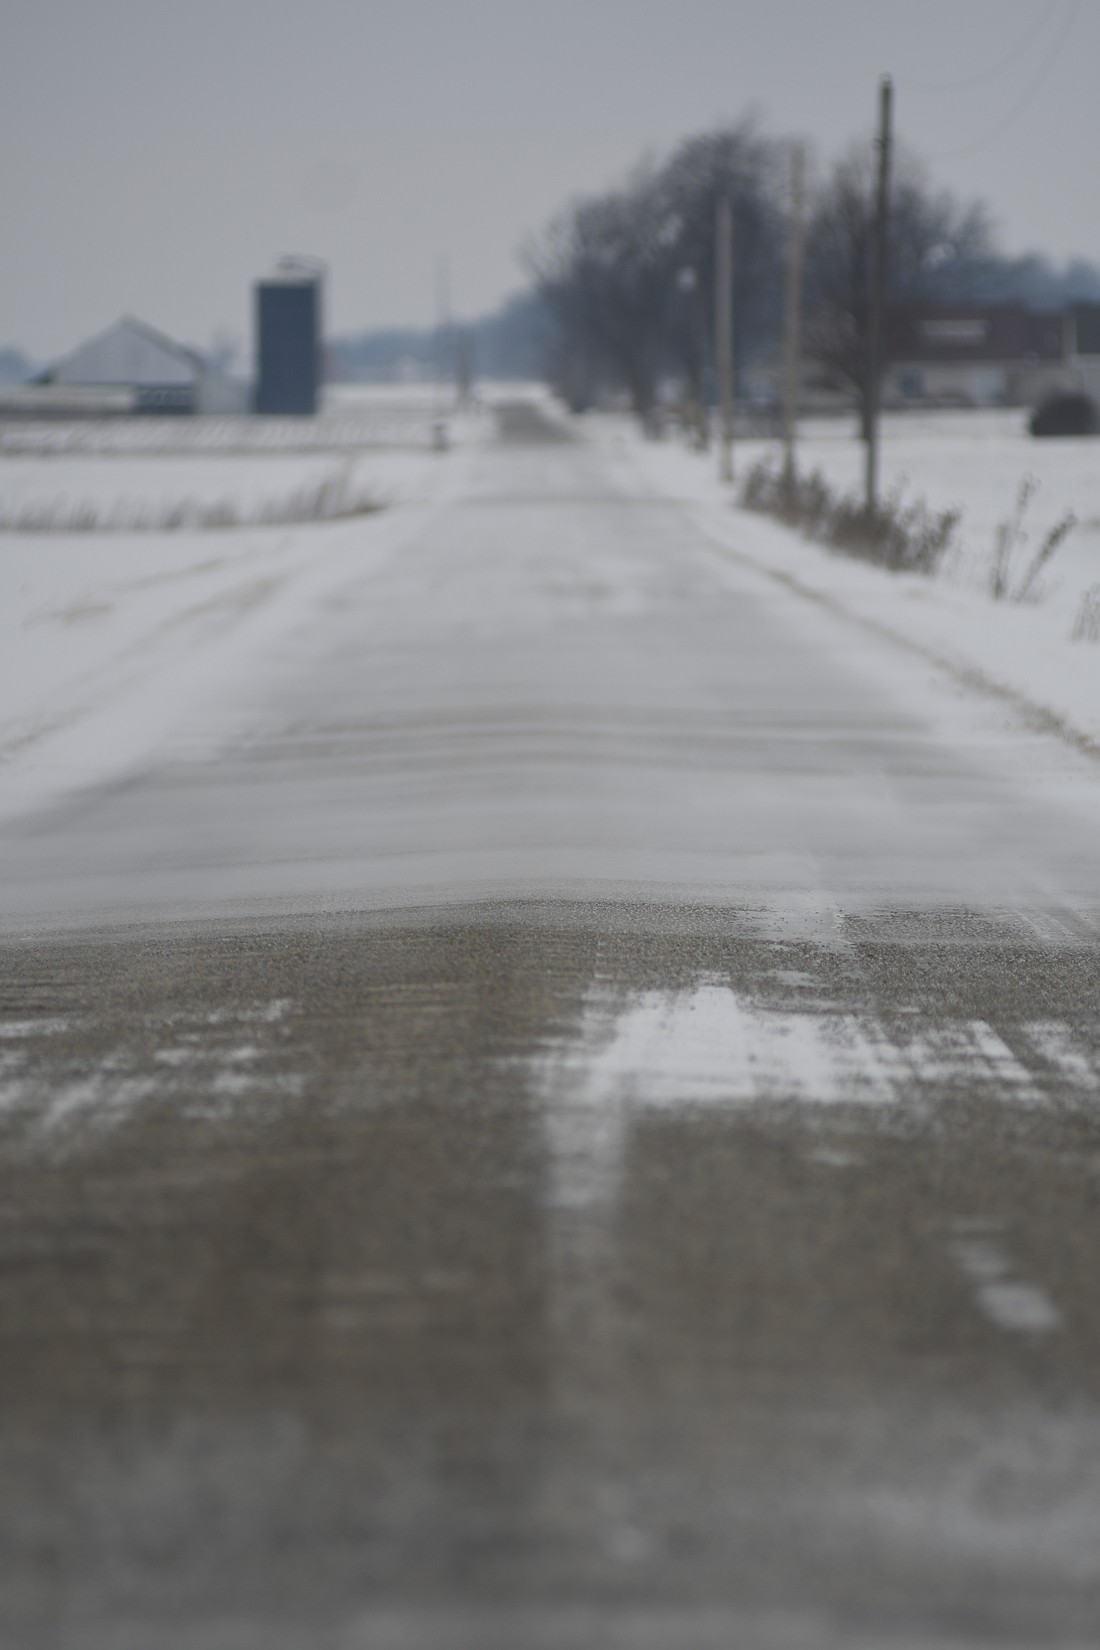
x=160, y=375
x=163, y=375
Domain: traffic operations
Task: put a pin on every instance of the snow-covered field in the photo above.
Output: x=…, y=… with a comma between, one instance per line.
x=178, y=490
x=976, y=461
x=353, y=417
x=126, y=472
x=109, y=639
x=971, y=461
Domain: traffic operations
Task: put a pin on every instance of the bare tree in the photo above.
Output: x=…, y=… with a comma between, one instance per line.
x=937, y=248
x=739, y=163
x=605, y=270
x=629, y=275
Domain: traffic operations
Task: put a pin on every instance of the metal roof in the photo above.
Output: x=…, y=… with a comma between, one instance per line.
x=129, y=352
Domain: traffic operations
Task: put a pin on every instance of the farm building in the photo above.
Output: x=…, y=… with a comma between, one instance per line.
x=973, y=355
x=288, y=338
x=157, y=374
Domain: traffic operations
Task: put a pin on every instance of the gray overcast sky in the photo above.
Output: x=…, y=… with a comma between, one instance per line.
x=161, y=153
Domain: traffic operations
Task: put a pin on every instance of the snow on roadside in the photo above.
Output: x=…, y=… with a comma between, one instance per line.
x=109, y=641
x=973, y=461
x=248, y=483
x=174, y=492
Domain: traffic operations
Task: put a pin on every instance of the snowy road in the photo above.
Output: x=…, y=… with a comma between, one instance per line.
x=575, y=1122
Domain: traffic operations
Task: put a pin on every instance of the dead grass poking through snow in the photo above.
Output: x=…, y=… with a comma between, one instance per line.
x=1086, y=626
x=1009, y=542
x=906, y=537
x=334, y=498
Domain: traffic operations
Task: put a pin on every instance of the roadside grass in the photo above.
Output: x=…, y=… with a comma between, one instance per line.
x=907, y=536
x=1005, y=581
x=333, y=498
x=1086, y=626
x=904, y=536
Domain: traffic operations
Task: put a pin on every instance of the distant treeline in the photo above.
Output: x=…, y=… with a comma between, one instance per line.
x=627, y=276
x=524, y=338
x=621, y=283
x=512, y=342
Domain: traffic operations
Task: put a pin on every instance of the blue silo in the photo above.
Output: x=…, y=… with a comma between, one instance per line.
x=288, y=338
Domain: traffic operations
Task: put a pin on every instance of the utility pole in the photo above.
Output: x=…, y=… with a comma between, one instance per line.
x=878, y=288
x=442, y=320
x=699, y=315
x=792, y=350
x=723, y=331
x=442, y=339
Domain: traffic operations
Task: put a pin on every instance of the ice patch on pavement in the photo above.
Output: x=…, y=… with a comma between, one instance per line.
x=709, y=1044
x=1007, y=1301
x=204, y=1066
x=264, y=1013
x=1066, y=1053
x=971, y=1048
x=830, y=1157
x=102, y=1093
x=1023, y=1307
x=17, y=1030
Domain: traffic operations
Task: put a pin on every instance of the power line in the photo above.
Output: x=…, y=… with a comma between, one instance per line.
x=983, y=75
x=1024, y=100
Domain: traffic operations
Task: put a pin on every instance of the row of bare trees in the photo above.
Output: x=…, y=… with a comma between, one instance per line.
x=627, y=276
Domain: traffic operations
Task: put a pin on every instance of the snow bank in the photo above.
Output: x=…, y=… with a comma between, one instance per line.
x=974, y=461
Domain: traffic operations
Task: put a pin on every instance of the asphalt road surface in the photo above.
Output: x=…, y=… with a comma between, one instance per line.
x=579, y=1128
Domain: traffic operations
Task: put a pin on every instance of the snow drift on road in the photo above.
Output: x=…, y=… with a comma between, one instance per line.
x=110, y=640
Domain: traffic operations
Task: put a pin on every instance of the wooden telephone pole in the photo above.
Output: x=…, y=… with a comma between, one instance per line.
x=884, y=145
x=792, y=342
x=723, y=331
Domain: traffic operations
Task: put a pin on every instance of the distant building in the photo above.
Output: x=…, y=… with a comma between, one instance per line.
x=288, y=338
x=162, y=374
x=141, y=370
x=972, y=355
